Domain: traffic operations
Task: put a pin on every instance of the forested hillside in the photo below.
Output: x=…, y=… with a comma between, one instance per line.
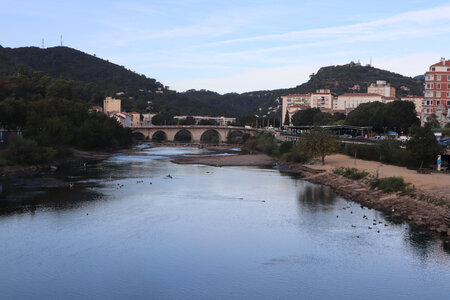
x=71, y=64
x=93, y=78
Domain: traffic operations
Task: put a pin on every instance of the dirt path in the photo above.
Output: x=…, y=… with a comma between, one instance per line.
x=434, y=181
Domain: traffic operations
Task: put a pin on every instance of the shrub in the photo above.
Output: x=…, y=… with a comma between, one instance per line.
x=368, y=152
x=285, y=147
x=27, y=152
x=351, y=173
x=393, y=184
x=294, y=157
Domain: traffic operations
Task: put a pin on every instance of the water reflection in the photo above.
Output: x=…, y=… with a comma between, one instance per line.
x=317, y=198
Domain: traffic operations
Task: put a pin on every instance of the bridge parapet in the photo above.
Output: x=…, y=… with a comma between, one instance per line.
x=196, y=131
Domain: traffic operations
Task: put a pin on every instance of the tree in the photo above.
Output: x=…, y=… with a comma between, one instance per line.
x=432, y=122
x=305, y=117
x=207, y=122
x=423, y=145
x=318, y=143
x=188, y=121
x=287, y=119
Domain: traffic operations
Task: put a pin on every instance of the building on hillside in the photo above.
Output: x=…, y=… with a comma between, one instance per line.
x=418, y=102
x=111, y=106
x=96, y=108
x=437, y=92
x=147, y=119
x=382, y=88
x=348, y=102
x=291, y=100
x=135, y=119
x=221, y=121
x=322, y=98
x=125, y=119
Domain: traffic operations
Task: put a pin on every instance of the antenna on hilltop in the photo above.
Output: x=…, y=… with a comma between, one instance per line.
x=42, y=43
x=61, y=40
x=370, y=60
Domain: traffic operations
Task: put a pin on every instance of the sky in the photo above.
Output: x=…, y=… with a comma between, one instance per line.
x=236, y=46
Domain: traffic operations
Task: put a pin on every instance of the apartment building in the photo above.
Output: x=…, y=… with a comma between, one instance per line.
x=348, y=102
x=382, y=88
x=322, y=98
x=299, y=100
x=437, y=92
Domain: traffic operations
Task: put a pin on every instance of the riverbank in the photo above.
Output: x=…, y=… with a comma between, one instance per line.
x=76, y=157
x=425, y=209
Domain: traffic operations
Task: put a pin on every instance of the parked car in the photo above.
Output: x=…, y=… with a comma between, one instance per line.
x=359, y=137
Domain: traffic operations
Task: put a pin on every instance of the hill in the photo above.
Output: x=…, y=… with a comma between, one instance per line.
x=341, y=79
x=71, y=64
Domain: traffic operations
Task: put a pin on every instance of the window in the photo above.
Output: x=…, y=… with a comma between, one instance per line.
x=448, y=77
x=438, y=77
x=438, y=102
x=448, y=94
x=438, y=85
x=438, y=94
x=448, y=102
x=433, y=69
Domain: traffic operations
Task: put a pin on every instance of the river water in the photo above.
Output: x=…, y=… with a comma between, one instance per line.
x=128, y=231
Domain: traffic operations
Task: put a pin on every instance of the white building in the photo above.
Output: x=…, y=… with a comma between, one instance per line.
x=382, y=88
x=348, y=102
x=291, y=100
x=124, y=118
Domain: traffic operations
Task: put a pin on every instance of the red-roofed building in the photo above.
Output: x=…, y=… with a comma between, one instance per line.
x=291, y=100
x=437, y=92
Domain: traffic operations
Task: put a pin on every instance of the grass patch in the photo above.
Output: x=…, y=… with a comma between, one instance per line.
x=351, y=173
x=393, y=184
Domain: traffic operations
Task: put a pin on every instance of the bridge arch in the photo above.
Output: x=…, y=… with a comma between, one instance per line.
x=211, y=136
x=183, y=136
x=159, y=136
x=234, y=136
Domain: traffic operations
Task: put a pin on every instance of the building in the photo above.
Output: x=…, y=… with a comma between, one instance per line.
x=322, y=98
x=111, y=106
x=123, y=118
x=348, y=102
x=222, y=121
x=418, y=102
x=96, y=108
x=291, y=100
x=135, y=119
x=382, y=88
x=437, y=92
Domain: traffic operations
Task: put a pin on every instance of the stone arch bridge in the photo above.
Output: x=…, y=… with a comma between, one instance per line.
x=196, y=131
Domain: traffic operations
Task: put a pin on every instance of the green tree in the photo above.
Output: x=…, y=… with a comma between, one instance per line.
x=287, y=119
x=188, y=121
x=318, y=143
x=432, y=122
x=305, y=117
x=423, y=146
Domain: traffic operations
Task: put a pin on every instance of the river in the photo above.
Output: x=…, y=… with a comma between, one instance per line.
x=129, y=231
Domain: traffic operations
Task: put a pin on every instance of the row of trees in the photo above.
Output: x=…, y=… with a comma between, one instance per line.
x=396, y=115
